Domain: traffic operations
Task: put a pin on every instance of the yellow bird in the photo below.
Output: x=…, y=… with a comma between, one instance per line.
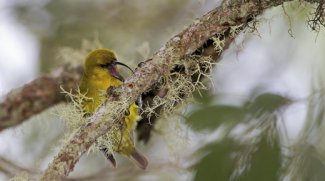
x=99, y=74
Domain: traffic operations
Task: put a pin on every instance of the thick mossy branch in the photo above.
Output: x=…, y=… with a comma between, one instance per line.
x=98, y=124
x=179, y=85
x=186, y=77
x=75, y=117
x=73, y=113
x=231, y=13
x=44, y=92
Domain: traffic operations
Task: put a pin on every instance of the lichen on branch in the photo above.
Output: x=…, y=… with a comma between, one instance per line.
x=230, y=13
x=40, y=94
x=159, y=69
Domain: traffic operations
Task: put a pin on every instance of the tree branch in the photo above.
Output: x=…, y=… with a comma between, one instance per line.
x=38, y=95
x=231, y=13
x=10, y=169
x=44, y=92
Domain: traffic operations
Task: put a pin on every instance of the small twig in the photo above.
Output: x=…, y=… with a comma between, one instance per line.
x=10, y=169
x=318, y=19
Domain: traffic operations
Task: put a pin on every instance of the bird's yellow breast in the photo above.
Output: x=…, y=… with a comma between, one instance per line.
x=100, y=74
x=95, y=86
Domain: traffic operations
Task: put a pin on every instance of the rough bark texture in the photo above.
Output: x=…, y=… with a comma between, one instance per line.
x=45, y=92
x=37, y=96
x=230, y=13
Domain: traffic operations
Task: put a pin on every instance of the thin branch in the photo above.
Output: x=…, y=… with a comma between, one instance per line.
x=318, y=19
x=230, y=13
x=10, y=169
x=37, y=96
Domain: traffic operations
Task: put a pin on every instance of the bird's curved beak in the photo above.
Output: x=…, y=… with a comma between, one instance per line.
x=120, y=63
x=113, y=71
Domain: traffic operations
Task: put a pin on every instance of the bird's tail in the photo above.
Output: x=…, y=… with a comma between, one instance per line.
x=139, y=159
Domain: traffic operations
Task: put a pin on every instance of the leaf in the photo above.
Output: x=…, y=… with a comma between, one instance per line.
x=218, y=163
x=265, y=163
x=267, y=103
x=315, y=167
x=205, y=97
x=310, y=167
x=211, y=117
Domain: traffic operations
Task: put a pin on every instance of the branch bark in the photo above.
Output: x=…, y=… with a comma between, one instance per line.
x=38, y=95
x=44, y=92
x=230, y=13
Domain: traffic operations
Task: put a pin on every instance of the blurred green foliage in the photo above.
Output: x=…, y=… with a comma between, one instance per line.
x=217, y=164
x=266, y=161
x=220, y=162
x=211, y=117
x=307, y=160
x=266, y=103
x=314, y=165
x=262, y=153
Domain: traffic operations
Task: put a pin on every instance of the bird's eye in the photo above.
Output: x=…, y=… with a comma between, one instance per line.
x=103, y=65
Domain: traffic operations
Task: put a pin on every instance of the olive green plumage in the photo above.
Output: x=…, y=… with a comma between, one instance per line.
x=99, y=74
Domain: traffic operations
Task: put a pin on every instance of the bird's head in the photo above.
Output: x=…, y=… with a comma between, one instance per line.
x=103, y=61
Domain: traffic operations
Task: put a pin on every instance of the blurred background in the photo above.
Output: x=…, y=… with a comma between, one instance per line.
x=262, y=119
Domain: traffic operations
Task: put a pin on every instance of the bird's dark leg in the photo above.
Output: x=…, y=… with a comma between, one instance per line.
x=109, y=156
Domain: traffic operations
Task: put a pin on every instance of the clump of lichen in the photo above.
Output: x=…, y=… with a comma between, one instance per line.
x=73, y=113
x=180, y=85
x=190, y=74
x=75, y=118
x=23, y=176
